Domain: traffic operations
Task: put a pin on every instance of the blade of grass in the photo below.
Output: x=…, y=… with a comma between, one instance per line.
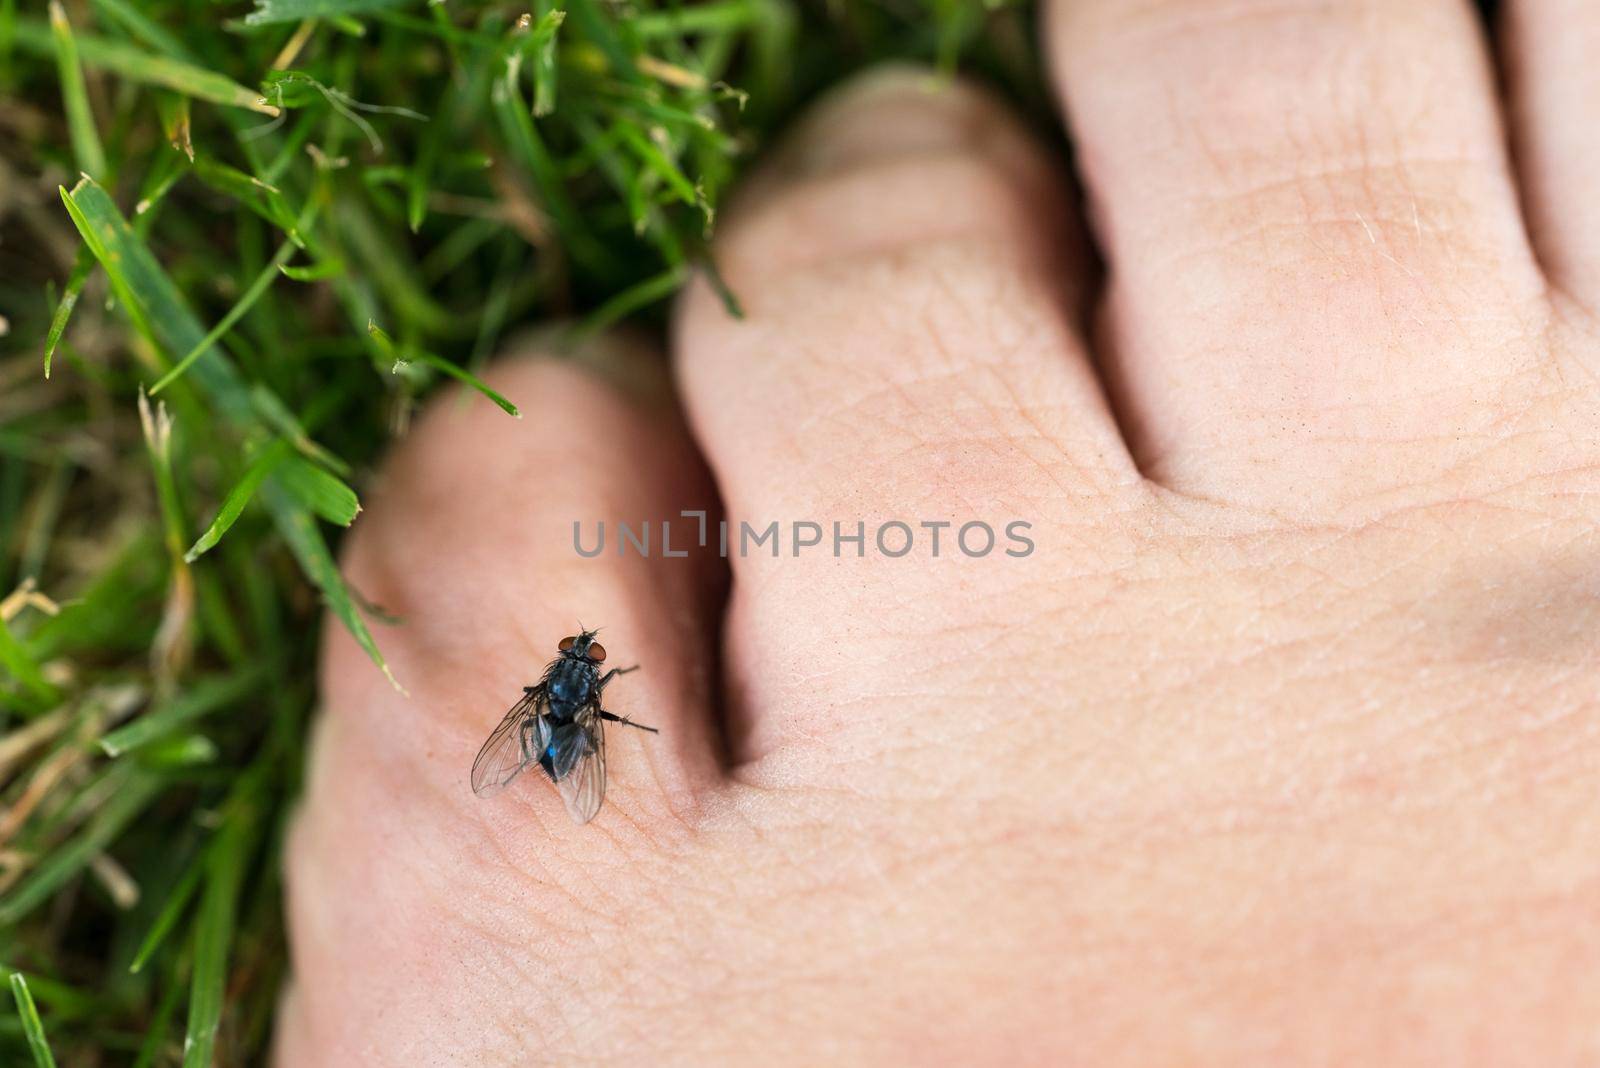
x=65, y=998
x=213, y=929
x=314, y=272
x=157, y=425
x=305, y=541
x=172, y=910
x=319, y=491
x=8, y=33
x=541, y=45
x=167, y=918
x=156, y=1030
x=197, y=701
x=183, y=751
x=135, y=64
x=86, y=148
x=142, y=27
x=630, y=300
x=386, y=345
x=263, y=281
x=153, y=191
x=389, y=266
x=651, y=156
x=176, y=122
x=278, y=416
x=234, y=503
x=719, y=285
x=612, y=36
x=268, y=12
x=174, y=642
x=719, y=16
x=32, y=1026
x=261, y=197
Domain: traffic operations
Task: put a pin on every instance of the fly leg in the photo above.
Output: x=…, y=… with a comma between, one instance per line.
x=614, y=672
x=611, y=717
x=625, y=721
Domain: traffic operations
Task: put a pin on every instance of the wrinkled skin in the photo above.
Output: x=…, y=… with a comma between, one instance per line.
x=1281, y=748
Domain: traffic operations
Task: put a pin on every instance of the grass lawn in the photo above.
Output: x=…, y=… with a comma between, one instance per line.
x=239, y=245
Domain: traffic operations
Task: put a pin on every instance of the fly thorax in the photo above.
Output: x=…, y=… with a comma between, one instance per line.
x=568, y=686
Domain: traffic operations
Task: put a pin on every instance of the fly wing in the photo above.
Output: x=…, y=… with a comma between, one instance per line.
x=506, y=753
x=583, y=788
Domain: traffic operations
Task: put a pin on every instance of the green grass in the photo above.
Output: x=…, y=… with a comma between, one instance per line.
x=239, y=245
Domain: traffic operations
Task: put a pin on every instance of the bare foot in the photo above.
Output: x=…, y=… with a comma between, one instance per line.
x=1282, y=745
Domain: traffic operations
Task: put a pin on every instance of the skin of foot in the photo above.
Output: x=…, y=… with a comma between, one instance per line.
x=1280, y=746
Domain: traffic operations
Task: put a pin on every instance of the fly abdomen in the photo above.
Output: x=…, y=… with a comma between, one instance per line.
x=568, y=744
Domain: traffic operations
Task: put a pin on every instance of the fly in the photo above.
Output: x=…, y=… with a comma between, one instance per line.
x=558, y=725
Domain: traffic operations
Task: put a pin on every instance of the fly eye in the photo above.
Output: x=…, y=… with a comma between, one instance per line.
x=597, y=652
x=566, y=643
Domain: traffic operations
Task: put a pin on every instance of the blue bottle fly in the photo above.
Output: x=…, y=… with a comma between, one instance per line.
x=558, y=725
